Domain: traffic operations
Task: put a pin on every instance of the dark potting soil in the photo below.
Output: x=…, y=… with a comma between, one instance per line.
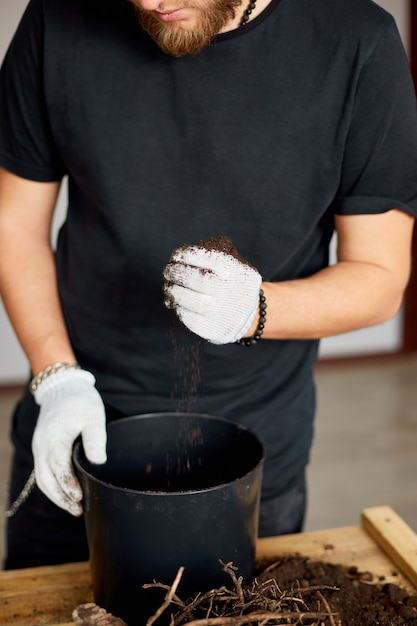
x=216, y=244
x=297, y=590
x=223, y=244
x=354, y=597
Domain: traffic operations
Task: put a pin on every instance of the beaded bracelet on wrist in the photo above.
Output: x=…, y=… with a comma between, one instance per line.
x=48, y=371
x=251, y=341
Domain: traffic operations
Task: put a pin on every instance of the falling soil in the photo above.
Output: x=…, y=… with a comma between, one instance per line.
x=295, y=590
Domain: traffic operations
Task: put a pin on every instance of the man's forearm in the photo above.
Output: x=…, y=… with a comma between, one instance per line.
x=27, y=269
x=341, y=298
x=366, y=287
x=29, y=292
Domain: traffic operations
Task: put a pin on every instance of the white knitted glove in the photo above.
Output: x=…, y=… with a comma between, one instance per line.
x=70, y=406
x=215, y=294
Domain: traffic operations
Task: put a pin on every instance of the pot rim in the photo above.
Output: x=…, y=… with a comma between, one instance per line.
x=78, y=447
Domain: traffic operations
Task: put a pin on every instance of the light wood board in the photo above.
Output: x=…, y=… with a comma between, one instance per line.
x=383, y=545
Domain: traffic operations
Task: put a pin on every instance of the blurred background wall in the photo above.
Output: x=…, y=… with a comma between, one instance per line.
x=385, y=338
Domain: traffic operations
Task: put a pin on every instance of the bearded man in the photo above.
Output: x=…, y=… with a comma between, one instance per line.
x=273, y=122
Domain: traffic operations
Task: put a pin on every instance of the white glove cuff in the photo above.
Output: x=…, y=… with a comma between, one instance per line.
x=48, y=371
x=69, y=378
x=242, y=331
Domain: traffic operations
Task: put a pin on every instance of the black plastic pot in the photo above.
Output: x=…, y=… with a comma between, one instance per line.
x=177, y=490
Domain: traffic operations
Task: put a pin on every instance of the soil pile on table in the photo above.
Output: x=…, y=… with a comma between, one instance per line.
x=297, y=590
x=353, y=597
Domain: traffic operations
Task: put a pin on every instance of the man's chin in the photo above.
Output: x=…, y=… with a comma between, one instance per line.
x=188, y=37
x=177, y=40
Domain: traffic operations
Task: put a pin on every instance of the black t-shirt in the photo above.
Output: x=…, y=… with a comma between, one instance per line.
x=306, y=112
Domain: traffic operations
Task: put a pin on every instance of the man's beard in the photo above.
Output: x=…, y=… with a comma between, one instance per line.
x=178, y=41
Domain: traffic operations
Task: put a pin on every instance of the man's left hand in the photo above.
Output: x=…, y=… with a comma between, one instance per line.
x=215, y=294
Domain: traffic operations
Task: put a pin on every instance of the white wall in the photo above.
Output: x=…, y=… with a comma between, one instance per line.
x=384, y=338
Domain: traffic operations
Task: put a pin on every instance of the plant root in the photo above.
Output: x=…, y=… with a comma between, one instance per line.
x=257, y=604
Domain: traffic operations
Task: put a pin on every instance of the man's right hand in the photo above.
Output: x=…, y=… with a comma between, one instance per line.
x=70, y=405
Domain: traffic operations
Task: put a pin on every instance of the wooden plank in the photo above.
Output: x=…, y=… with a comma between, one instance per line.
x=394, y=537
x=43, y=595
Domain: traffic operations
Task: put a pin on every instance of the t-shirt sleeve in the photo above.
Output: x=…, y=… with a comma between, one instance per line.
x=379, y=170
x=27, y=147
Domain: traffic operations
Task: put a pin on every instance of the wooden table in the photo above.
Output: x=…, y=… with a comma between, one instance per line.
x=382, y=544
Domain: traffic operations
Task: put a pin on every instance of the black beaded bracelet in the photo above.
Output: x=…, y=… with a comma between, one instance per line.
x=251, y=341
